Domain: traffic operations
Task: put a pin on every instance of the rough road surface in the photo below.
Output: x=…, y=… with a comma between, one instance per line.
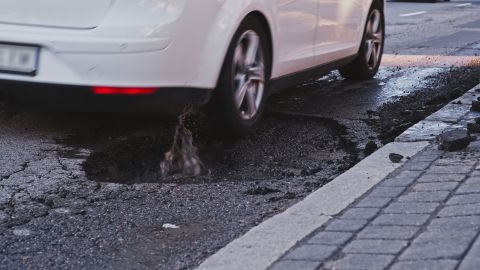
x=83, y=191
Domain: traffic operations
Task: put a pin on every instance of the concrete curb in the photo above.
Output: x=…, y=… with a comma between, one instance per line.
x=260, y=247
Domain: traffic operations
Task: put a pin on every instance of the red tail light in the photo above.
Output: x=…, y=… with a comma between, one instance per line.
x=103, y=90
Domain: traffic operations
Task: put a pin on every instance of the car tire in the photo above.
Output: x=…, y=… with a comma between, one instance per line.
x=239, y=98
x=366, y=65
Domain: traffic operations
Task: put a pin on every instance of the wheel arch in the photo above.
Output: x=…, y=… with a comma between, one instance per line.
x=222, y=32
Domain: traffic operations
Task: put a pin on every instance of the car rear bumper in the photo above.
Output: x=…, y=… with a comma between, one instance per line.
x=82, y=99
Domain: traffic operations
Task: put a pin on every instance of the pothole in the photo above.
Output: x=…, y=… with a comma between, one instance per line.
x=282, y=147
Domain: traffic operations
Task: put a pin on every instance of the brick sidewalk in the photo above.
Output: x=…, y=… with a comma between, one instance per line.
x=426, y=215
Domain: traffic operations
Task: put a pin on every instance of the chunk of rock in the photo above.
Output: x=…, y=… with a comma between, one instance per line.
x=454, y=140
x=395, y=158
x=370, y=148
x=473, y=127
x=475, y=106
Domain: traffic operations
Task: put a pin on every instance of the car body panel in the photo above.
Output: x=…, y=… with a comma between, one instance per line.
x=182, y=43
x=81, y=14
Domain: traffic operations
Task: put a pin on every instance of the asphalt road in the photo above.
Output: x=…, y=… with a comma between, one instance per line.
x=82, y=191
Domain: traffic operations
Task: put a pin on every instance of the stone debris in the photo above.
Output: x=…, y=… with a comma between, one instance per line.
x=370, y=148
x=454, y=140
x=473, y=128
x=22, y=232
x=170, y=226
x=395, y=158
x=475, y=106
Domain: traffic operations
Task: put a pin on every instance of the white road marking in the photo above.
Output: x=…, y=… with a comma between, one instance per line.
x=413, y=14
x=464, y=5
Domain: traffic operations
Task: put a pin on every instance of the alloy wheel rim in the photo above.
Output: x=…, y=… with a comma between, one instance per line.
x=249, y=75
x=374, y=39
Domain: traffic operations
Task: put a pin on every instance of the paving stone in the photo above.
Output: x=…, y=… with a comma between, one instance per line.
x=311, y=252
x=426, y=265
x=417, y=166
x=375, y=246
x=468, y=189
x=330, y=238
x=449, y=169
x=361, y=261
x=438, y=245
x=455, y=224
x=432, y=196
x=403, y=179
x=411, y=208
x=460, y=210
x=373, y=202
x=472, y=260
x=453, y=177
x=346, y=225
x=428, y=156
x=386, y=192
x=294, y=265
x=439, y=186
x=388, y=232
x=360, y=213
x=464, y=199
x=454, y=161
x=401, y=219
x=473, y=180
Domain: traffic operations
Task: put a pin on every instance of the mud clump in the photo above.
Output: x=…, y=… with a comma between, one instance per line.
x=395, y=158
x=473, y=127
x=183, y=155
x=454, y=140
x=475, y=106
x=370, y=148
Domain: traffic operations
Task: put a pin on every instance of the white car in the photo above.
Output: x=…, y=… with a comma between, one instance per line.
x=230, y=53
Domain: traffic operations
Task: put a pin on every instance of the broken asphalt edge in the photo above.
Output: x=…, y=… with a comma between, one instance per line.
x=264, y=244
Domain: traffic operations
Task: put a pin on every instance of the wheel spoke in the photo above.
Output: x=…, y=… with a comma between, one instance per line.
x=251, y=100
x=240, y=79
x=240, y=94
x=239, y=58
x=374, y=56
x=375, y=22
x=377, y=38
x=257, y=74
x=252, y=49
x=369, y=52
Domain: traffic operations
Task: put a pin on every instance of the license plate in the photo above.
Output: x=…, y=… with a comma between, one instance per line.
x=18, y=59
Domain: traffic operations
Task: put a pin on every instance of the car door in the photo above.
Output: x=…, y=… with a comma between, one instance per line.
x=296, y=22
x=339, y=29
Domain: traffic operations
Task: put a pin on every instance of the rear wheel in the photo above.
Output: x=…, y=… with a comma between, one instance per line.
x=366, y=65
x=239, y=99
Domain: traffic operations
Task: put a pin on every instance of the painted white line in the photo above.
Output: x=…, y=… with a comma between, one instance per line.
x=464, y=5
x=266, y=243
x=413, y=14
